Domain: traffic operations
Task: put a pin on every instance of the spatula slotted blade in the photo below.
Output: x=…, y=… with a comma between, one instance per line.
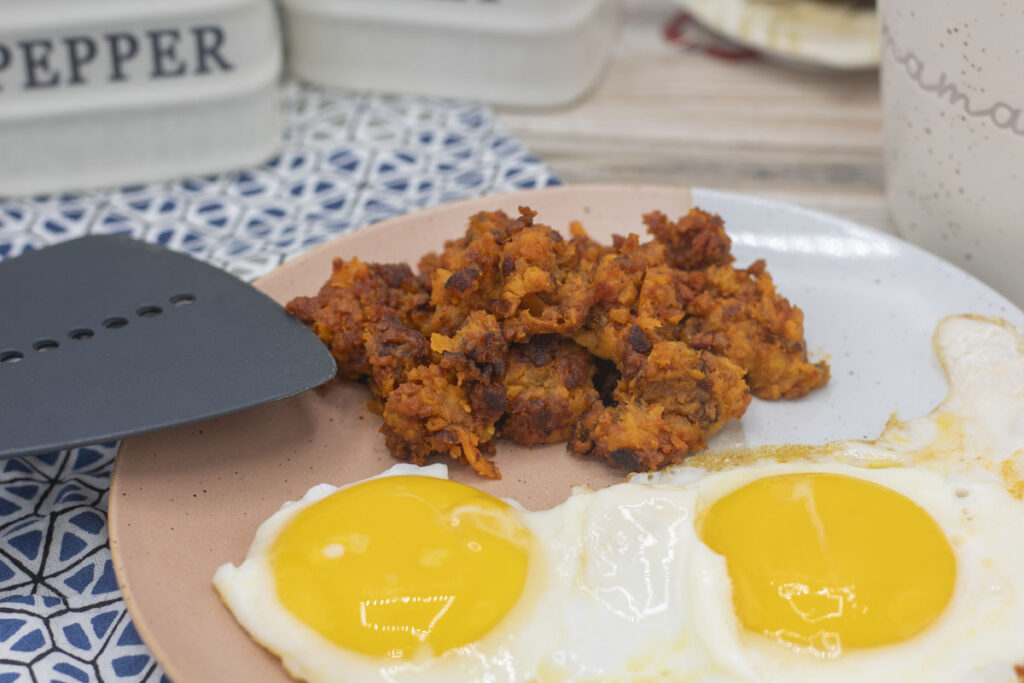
x=104, y=336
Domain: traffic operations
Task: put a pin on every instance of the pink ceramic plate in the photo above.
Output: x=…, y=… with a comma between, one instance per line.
x=186, y=500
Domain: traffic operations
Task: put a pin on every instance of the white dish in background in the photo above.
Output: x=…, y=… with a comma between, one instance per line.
x=805, y=33
x=514, y=52
x=122, y=92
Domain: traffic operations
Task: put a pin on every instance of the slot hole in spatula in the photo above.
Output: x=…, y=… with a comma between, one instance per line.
x=81, y=334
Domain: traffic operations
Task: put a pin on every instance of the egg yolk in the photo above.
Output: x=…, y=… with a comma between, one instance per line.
x=822, y=562
x=402, y=566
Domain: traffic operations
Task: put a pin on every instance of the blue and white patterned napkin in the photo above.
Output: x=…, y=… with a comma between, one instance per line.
x=348, y=160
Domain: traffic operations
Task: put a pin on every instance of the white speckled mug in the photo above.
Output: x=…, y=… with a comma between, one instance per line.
x=953, y=99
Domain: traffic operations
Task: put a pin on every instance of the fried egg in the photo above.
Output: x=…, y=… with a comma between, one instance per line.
x=405, y=576
x=896, y=559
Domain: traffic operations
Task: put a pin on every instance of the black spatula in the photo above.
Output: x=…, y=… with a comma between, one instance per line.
x=104, y=336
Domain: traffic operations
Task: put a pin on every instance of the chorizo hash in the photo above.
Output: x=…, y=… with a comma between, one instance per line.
x=633, y=353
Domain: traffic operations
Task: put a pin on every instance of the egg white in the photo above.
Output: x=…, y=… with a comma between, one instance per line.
x=977, y=432
x=622, y=588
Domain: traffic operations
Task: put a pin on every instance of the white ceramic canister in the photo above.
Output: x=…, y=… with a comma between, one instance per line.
x=111, y=92
x=515, y=52
x=953, y=98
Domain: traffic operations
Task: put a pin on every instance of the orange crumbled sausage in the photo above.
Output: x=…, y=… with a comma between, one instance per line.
x=634, y=352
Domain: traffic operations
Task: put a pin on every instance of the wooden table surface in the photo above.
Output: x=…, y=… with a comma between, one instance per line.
x=663, y=114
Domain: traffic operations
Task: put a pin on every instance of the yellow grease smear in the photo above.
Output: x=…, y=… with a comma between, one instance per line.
x=823, y=562
x=402, y=566
x=1010, y=472
x=716, y=461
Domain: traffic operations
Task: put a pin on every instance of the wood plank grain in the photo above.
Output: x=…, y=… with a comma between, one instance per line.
x=663, y=114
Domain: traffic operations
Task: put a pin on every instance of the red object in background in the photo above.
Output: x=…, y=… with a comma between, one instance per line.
x=684, y=31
